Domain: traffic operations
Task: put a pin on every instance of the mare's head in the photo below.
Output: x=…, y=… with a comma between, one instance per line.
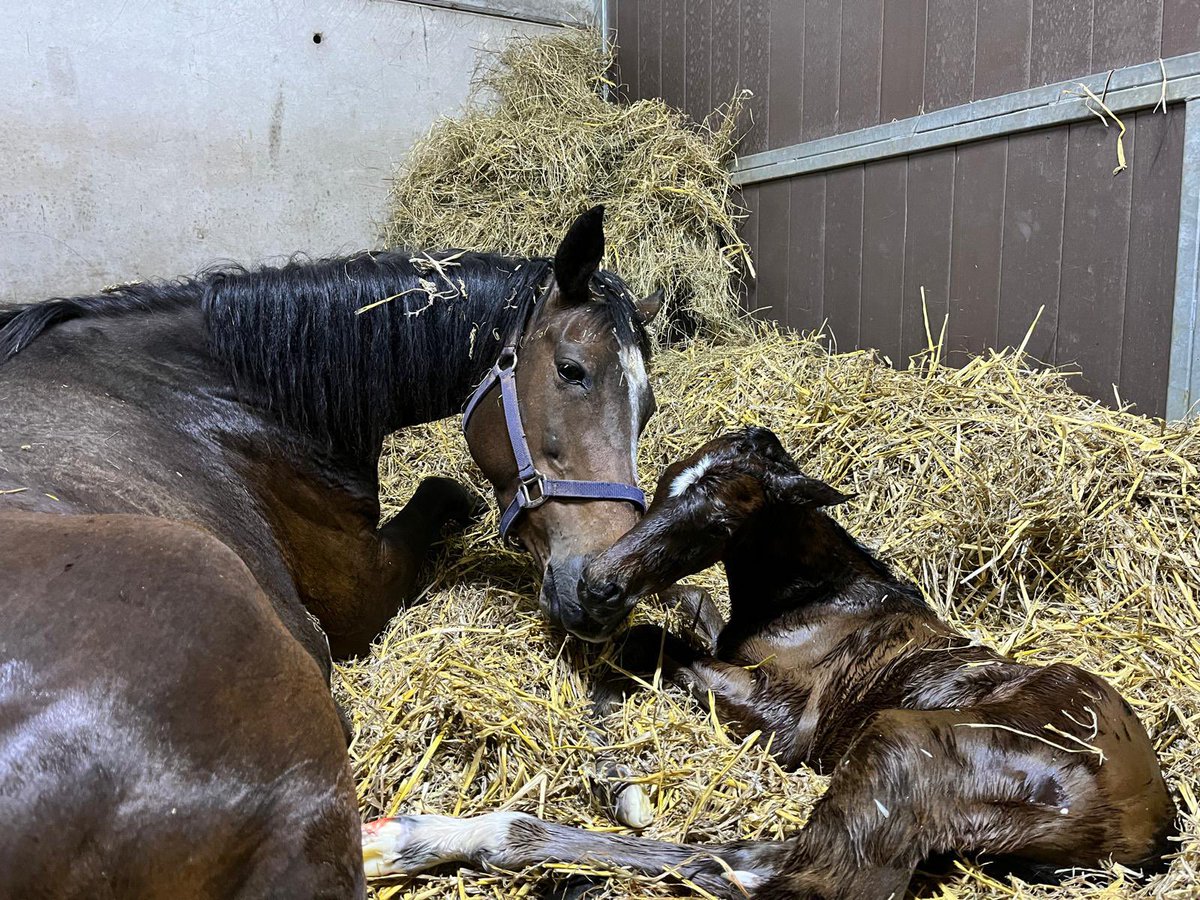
x=703, y=503
x=580, y=372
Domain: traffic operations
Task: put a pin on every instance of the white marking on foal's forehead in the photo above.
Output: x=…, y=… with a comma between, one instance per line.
x=691, y=474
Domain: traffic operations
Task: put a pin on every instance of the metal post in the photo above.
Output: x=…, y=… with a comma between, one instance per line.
x=1183, y=378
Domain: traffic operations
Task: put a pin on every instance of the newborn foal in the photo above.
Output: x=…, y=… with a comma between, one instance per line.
x=934, y=744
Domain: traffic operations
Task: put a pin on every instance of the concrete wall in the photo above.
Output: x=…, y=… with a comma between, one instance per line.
x=152, y=137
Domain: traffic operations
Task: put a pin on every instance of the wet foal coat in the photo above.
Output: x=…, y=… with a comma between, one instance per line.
x=934, y=744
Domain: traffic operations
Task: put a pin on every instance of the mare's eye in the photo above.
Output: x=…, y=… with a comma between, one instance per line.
x=571, y=372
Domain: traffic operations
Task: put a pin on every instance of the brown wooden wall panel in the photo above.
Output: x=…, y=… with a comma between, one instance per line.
x=673, y=60
x=885, y=217
x=949, y=53
x=697, y=28
x=1146, y=336
x=927, y=249
x=859, y=67
x=992, y=231
x=843, y=253
x=1125, y=33
x=806, y=257
x=1002, y=54
x=822, y=60
x=1181, y=27
x=785, y=78
x=1033, y=239
x=754, y=65
x=774, y=204
x=975, y=245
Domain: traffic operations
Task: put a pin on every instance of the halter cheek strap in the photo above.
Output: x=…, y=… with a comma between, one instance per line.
x=533, y=487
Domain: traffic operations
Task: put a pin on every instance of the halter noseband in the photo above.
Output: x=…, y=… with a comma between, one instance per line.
x=533, y=487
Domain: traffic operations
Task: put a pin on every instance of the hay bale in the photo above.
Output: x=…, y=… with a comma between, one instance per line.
x=538, y=144
x=1049, y=526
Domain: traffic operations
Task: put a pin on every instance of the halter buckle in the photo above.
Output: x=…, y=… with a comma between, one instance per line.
x=532, y=491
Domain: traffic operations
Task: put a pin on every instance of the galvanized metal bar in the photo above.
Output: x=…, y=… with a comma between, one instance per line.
x=1128, y=89
x=539, y=12
x=1183, y=376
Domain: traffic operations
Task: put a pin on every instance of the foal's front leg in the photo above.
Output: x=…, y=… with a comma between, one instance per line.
x=513, y=841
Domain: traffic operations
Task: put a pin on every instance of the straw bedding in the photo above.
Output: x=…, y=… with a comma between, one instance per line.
x=1034, y=519
x=1037, y=520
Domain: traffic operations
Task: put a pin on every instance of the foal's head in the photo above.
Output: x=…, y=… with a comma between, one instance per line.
x=584, y=397
x=703, y=503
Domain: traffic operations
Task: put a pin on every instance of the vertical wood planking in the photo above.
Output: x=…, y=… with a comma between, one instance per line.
x=1033, y=239
x=698, y=31
x=726, y=37
x=1125, y=32
x=1150, y=285
x=772, y=261
x=843, y=253
x=1061, y=46
x=862, y=56
x=975, y=245
x=749, y=200
x=1091, y=306
x=1181, y=27
x=786, y=78
x=902, y=83
x=885, y=198
x=927, y=246
x=649, y=47
x=949, y=53
x=1003, y=47
x=822, y=56
x=627, y=45
x=806, y=253
x=673, y=44
x=753, y=70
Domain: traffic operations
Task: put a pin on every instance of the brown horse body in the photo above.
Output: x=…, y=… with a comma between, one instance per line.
x=189, y=505
x=934, y=744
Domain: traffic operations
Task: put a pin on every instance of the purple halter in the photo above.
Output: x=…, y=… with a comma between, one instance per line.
x=534, y=488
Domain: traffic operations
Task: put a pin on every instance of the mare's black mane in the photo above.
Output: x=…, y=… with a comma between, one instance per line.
x=293, y=339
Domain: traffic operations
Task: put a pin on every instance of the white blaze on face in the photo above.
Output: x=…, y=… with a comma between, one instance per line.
x=691, y=475
x=637, y=382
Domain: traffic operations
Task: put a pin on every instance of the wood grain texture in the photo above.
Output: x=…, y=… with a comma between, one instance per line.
x=1003, y=47
x=1181, y=27
x=786, y=81
x=902, y=83
x=1061, y=45
x=753, y=71
x=1091, y=310
x=1125, y=32
x=843, y=254
x=1033, y=240
x=1150, y=283
x=949, y=53
x=649, y=47
x=976, y=242
x=822, y=60
x=698, y=80
x=885, y=214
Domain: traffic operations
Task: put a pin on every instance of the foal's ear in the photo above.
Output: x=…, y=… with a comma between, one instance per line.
x=579, y=255
x=648, y=307
x=801, y=489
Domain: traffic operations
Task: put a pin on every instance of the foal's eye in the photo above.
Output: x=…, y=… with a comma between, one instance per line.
x=571, y=372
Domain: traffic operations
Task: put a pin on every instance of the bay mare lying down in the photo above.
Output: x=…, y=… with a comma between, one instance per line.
x=934, y=745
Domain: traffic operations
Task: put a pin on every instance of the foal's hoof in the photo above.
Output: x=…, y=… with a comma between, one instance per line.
x=625, y=803
x=381, y=841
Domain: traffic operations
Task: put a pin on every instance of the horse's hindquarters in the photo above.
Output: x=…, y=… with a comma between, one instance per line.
x=161, y=734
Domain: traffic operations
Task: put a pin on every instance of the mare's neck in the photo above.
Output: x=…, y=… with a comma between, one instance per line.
x=344, y=352
x=796, y=557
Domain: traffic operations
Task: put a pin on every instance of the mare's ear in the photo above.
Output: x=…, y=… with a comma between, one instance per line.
x=801, y=489
x=648, y=307
x=579, y=256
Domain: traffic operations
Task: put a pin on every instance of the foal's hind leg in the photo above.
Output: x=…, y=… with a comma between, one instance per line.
x=916, y=783
x=404, y=543
x=513, y=841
